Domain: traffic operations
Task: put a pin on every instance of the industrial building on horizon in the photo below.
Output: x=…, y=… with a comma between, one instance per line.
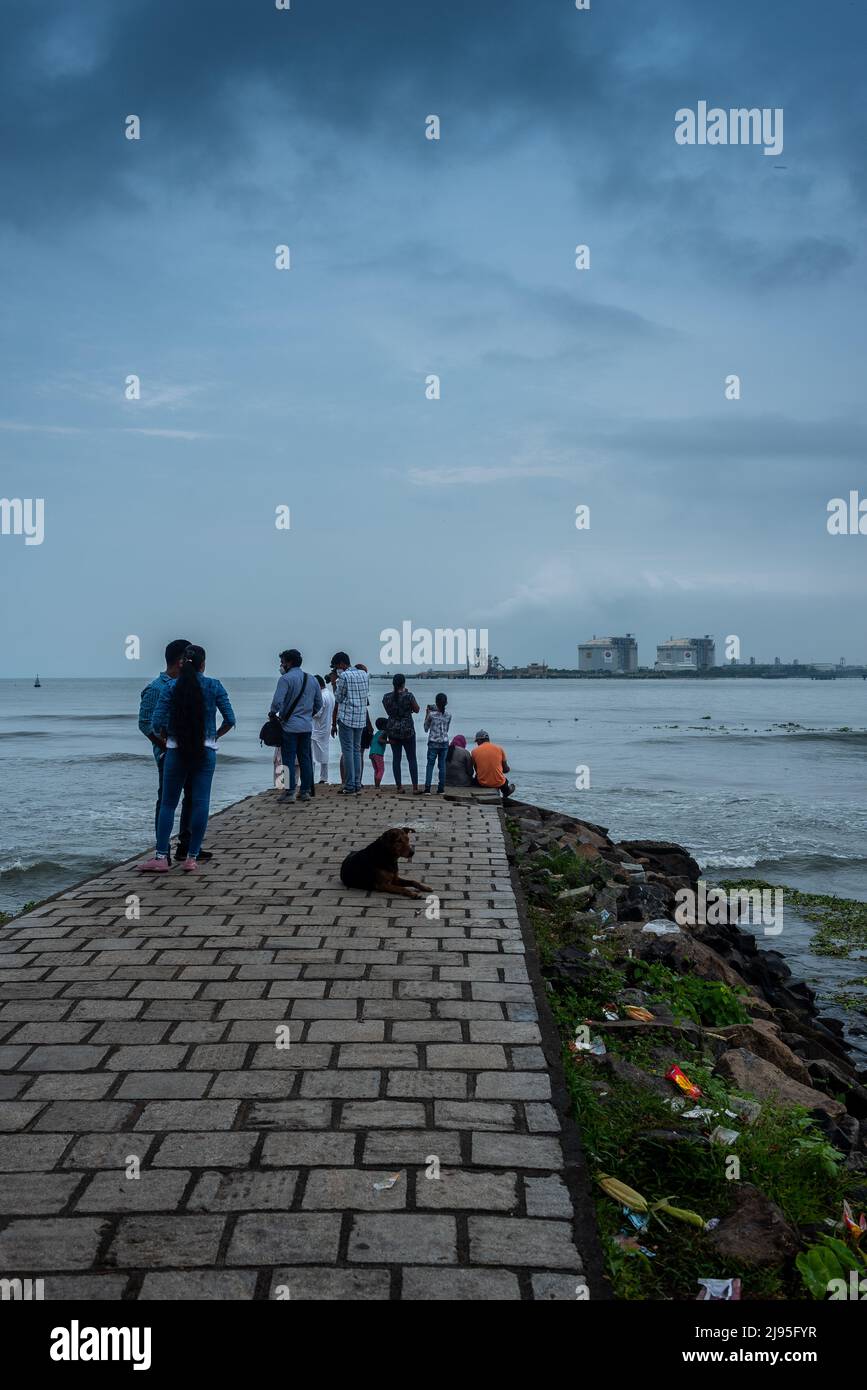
x=619, y=655
x=686, y=654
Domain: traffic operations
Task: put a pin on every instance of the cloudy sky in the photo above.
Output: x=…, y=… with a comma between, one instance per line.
x=412, y=257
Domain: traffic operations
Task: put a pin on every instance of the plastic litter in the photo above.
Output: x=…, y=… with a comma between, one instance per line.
x=386, y=1183
x=682, y=1080
x=639, y=1220
x=712, y=1224
x=610, y=1013
x=696, y=1113
x=596, y=1046
x=719, y=1290
x=604, y=915
x=661, y=927
x=640, y=1015
x=720, y=1135
x=855, y=1228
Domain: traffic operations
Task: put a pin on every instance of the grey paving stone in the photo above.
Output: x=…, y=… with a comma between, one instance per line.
x=222, y=1150
x=51, y=1243
x=65, y=1085
x=243, y=1191
x=398, y=1239
x=172, y=1241
x=223, y=1285
x=147, y=1058
x=455, y=1188
x=352, y=1189
x=32, y=1194
x=341, y=1085
x=541, y=1119
x=83, y=1115
x=290, y=1114
x=516, y=1151
x=466, y=1056
x=499, y=1240
x=187, y=1114
x=31, y=1153
x=377, y=1055
x=513, y=1085
x=308, y=1149
x=462, y=1285
x=482, y=1031
x=474, y=1114
x=79, y=1288
x=109, y=1150
x=303, y=1283
x=382, y=1114
x=396, y=1146
x=151, y=1191
x=163, y=1085
x=72, y=1057
x=547, y=1197
x=560, y=1288
x=132, y=1033
x=253, y=1085
x=281, y=1237
x=410, y=1085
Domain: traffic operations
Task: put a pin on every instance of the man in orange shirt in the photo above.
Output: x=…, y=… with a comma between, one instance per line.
x=490, y=764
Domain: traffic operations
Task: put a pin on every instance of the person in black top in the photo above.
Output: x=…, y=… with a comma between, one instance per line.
x=400, y=705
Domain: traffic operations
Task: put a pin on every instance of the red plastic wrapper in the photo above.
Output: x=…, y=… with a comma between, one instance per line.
x=680, y=1079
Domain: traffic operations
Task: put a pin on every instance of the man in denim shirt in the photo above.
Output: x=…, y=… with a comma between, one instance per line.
x=298, y=727
x=149, y=701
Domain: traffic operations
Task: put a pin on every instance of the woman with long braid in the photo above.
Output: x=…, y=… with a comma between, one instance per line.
x=185, y=724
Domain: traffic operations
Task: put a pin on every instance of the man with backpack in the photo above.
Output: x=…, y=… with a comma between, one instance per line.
x=296, y=700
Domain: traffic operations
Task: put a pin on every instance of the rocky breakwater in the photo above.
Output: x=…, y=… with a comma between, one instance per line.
x=639, y=995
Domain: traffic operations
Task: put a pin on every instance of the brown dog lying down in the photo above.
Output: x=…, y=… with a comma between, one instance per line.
x=375, y=867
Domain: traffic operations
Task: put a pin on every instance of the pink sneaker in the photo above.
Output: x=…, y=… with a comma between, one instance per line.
x=190, y=866
x=154, y=866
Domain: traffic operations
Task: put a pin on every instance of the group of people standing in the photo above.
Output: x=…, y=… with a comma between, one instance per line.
x=178, y=714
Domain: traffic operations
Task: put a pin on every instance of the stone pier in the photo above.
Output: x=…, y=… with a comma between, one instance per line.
x=255, y=1083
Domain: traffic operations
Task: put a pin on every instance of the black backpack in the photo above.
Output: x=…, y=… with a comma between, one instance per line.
x=271, y=732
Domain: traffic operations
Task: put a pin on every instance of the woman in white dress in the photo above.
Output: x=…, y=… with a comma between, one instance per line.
x=321, y=741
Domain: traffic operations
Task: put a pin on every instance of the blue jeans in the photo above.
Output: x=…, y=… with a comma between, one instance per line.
x=298, y=744
x=436, y=753
x=184, y=829
x=404, y=745
x=350, y=747
x=177, y=773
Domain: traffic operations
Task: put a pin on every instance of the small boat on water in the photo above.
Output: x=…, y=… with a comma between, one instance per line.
x=37, y=683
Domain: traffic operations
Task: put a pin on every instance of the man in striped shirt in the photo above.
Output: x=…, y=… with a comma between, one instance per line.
x=350, y=716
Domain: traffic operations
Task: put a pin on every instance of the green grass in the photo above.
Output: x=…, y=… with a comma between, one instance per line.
x=783, y=1154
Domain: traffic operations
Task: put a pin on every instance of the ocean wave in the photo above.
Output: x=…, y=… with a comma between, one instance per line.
x=86, y=718
x=107, y=758
x=779, y=864
x=42, y=871
x=25, y=733
x=849, y=738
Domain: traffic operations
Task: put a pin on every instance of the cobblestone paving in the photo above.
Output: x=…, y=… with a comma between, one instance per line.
x=152, y=1043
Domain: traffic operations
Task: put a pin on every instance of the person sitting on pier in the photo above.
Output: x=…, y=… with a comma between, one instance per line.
x=460, y=770
x=489, y=760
